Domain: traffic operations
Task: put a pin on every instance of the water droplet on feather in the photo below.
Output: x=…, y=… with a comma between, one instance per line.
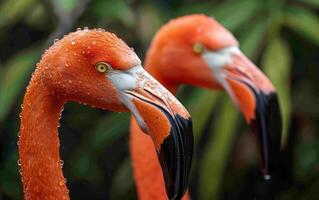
x=61, y=183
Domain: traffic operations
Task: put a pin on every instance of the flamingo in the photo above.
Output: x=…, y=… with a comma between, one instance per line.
x=95, y=67
x=198, y=51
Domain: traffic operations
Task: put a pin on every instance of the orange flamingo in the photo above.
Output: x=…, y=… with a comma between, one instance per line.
x=95, y=67
x=197, y=50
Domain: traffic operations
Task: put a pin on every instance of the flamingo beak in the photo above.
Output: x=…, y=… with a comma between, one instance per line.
x=255, y=96
x=160, y=115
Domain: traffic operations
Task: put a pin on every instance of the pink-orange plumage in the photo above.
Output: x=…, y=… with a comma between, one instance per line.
x=219, y=65
x=69, y=71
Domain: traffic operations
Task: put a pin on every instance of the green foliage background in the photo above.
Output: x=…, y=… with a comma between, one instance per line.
x=282, y=37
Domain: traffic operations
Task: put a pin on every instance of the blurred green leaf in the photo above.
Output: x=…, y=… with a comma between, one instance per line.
x=314, y=3
x=13, y=10
x=197, y=7
x=149, y=21
x=108, y=130
x=250, y=39
x=276, y=63
x=307, y=154
x=66, y=5
x=10, y=179
x=200, y=106
x=15, y=75
x=84, y=166
x=114, y=10
x=1, y=72
x=37, y=17
x=123, y=183
x=232, y=14
x=303, y=22
x=217, y=152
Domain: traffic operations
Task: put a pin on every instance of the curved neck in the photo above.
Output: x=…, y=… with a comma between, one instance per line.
x=41, y=169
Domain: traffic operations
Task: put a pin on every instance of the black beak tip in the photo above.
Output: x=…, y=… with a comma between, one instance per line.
x=175, y=157
x=268, y=127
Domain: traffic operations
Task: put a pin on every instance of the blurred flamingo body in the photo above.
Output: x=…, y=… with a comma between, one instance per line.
x=197, y=50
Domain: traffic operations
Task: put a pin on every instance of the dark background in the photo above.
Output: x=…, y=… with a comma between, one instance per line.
x=282, y=37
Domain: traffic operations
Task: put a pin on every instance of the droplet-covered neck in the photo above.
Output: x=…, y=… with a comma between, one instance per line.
x=39, y=157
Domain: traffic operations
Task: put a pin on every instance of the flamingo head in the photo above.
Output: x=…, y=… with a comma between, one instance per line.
x=197, y=50
x=95, y=67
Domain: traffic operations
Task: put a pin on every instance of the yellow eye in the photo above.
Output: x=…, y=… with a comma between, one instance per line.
x=103, y=67
x=198, y=48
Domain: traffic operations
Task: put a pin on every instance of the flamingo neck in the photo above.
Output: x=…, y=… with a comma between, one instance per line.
x=41, y=169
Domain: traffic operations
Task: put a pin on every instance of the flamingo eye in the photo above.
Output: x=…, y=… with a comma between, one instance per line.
x=103, y=67
x=198, y=48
